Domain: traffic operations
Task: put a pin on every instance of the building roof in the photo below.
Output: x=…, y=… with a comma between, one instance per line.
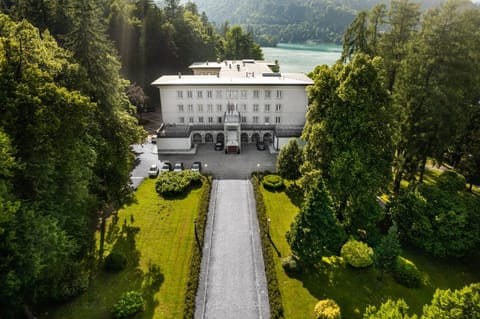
x=244, y=72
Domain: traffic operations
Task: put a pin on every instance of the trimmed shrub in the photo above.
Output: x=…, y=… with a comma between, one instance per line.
x=129, y=304
x=357, y=254
x=196, y=256
x=407, y=274
x=290, y=265
x=272, y=182
x=68, y=289
x=327, y=309
x=172, y=183
x=451, y=181
x=115, y=262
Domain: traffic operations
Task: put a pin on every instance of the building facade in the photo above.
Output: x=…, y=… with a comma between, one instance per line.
x=233, y=102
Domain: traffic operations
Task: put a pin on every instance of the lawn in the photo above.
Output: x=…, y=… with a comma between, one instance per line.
x=157, y=236
x=353, y=289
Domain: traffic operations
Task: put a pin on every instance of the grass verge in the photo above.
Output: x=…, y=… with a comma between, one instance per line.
x=157, y=236
x=352, y=289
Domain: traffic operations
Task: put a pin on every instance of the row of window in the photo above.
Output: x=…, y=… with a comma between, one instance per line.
x=219, y=108
x=210, y=120
x=229, y=94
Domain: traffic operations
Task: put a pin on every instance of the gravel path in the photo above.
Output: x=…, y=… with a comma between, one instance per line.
x=232, y=281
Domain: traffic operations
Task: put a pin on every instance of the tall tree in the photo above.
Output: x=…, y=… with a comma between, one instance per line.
x=316, y=232
x=387, y=251
x=289, y=160
x=349, y=137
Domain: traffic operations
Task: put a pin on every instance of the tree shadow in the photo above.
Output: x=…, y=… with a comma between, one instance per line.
x=295, y=193
x=152, y=281
x=279, y=254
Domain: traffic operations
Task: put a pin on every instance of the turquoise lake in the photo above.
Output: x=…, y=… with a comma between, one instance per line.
x=302, y=57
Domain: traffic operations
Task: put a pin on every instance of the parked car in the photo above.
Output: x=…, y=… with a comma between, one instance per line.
x=166, y=167
x=219, y=146
x=261, y=146
x=196, y=167
x=178, y=167
x=153, y=171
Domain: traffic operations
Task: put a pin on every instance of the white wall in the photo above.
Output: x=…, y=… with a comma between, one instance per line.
x=293, y=102
x=174, y=143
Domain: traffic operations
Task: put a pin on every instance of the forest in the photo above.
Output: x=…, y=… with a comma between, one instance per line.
x=74, y=75
x=293, y=21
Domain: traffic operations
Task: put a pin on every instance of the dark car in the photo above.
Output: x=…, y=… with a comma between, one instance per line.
x=261, y=146
x=178, y=167
x=166, y=167
x=196, y=167
x=219, y=146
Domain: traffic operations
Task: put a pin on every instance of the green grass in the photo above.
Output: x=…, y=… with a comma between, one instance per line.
x=352, y=289
x=157, y=235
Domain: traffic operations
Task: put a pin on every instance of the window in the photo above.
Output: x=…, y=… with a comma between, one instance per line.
x=279, y=94
x=232, y=94
x=244, y=119
x=190, y=108
x=210, y=119
x=267, y=94
x=190, y=119
x=218, y=94
x=219, y=119
x=200, y=119
x=189, y=94
x=209, y=94
x=256, y=94
x=277, y=119
x=180, y=107
x=243, y=94
x=200, y=107
x=219, y=107
x=210, y=108
x=255, y=107
x=243, y=107
x=199, y=94
x=180, y=94
x=267, y=108
x=267, y=119
x=278, y=107
x=182, y=120
x=255, y=119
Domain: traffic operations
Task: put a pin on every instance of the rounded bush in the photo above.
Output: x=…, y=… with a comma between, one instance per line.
x=357, y=254
x=290, y=265
x=451, y=181
x=272, y=182
x=172, y=183
x=129, y=304
x=407, y=274
x=327, y=309
x=115, y=262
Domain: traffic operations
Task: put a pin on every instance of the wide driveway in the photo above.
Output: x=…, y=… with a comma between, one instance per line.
x=232, y=282
x=226, y=166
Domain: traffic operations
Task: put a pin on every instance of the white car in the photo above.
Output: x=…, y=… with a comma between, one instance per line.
x=153, y=171
x=178, y=167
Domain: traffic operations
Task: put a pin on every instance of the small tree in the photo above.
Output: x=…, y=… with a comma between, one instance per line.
x=390, y=309
x=457, y=304
x=387, y=251
x=289, y=160
x=316, y=231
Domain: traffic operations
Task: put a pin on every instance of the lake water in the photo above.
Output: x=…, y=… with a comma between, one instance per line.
x=302, y=57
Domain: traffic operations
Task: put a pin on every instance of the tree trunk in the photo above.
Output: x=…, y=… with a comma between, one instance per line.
x=422, y=168
x=397, y=182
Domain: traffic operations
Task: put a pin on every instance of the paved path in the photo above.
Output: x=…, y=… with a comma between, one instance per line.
x=232, y=281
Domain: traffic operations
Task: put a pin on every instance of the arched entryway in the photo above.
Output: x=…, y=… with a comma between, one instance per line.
x=267, y=138
x=208, y=138
x=197, y=138
x=255, y=137
x=244, y=138
x=220, y=137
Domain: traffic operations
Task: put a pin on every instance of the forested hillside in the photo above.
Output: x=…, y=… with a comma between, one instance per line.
x=295, y=21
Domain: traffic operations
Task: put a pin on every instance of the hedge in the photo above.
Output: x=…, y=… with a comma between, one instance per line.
x=272, y=182
x=196, y=257
x=407, y=274
x=129, y=304
x=274, y=297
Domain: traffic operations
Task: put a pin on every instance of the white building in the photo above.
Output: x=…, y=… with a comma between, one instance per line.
x=234, y=102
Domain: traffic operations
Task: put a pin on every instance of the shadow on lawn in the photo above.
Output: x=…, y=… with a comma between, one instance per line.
x=295, y=193
x=132, y=277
